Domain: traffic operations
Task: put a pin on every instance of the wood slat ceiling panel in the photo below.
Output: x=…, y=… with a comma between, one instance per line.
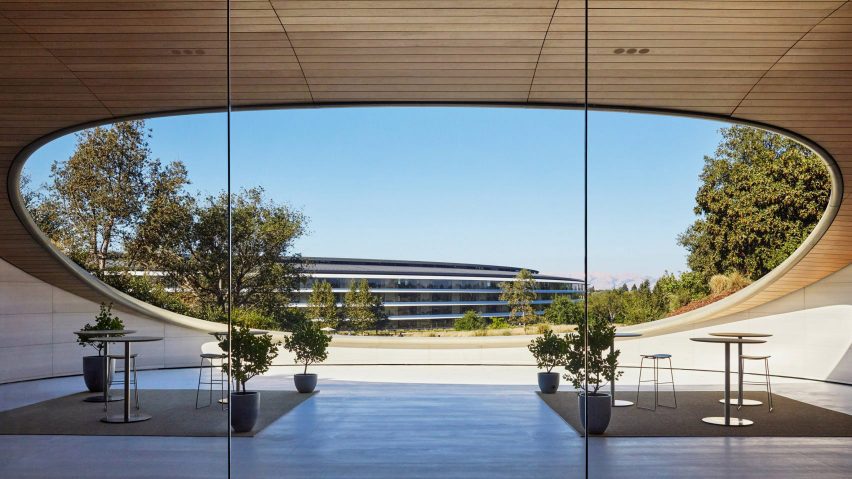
x=95, y=41
x=431, y=51
x=786, y=63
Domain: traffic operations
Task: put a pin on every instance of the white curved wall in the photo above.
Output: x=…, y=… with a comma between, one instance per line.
x=37, y=322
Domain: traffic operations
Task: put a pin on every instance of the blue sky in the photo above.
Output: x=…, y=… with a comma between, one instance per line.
x=483, y=185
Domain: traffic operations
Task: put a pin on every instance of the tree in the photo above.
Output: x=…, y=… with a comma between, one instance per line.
x=519, y=294
x=608, y=305
x=362, y=309
x=309, y=344
x=251, y=354
x=322, y=306
x=265, y=271
x=106, y=190
x=470, y=321
x=601, y=365
x=549, y=350
x=563, y=310
x=761, y=194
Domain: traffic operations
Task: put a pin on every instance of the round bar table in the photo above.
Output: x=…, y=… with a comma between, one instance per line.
x=727, y=420
x=126, y=417
x=619, y=402
x=105, y=397
x=740, y=401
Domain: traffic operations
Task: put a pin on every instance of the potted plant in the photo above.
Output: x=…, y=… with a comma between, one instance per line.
x=93, y=366
x=549, y=351
x=251, y=354
x=310, y=345
x=599, y=368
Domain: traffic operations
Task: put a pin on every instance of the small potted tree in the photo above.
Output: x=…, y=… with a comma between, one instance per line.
x=599, y=368
x=251, y=354
x=93, y=366
x=310, y=345
x=549, y=352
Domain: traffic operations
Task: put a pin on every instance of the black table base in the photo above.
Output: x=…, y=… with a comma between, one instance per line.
x=100, y=398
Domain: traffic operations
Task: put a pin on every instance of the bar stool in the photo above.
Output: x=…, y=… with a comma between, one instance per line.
x=765, y=359
x=210, y=357
x=656, y=380
x=112, y=380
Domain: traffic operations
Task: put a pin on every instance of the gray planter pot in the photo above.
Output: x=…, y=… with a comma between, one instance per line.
x=548, y=382
x=93, y=372
x=600, y=412
x=245, y=408
x=305, y=383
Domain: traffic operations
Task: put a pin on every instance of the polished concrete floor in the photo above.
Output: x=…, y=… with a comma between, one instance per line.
x=373, y=428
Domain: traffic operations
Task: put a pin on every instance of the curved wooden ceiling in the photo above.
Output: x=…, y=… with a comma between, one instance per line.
x=783, y=63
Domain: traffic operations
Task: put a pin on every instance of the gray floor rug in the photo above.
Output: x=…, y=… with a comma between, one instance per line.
x=789, y=418
x=173, y=412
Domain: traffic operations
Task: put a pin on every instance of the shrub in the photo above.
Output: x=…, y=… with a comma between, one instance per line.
x=563, y=310
x=103, y=321
x=251, y=354
x=252, y=318
x=309, y=343
x=719, y=283
x=499, y=323
x=548, y=350
x=469, y=322
x=601, y=366
x=738, y=281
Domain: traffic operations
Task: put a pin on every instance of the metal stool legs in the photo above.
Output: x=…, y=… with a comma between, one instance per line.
x=210, y=381
x=766, y=382
x=133, y=381
x=656, y=380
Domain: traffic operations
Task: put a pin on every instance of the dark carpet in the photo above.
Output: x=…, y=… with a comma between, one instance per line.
x=173, y=412
x=789, y=418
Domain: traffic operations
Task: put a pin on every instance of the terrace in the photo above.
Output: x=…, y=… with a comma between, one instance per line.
x=426, y=407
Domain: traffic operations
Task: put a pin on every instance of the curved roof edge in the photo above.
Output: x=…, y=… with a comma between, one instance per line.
x=681, y=322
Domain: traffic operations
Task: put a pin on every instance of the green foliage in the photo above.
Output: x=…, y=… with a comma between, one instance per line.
x=105, y=320
x=606, y=305
x=673, y=291
x=250, y=354
x=142, y=288
x=602, y=365
x=469, y=322
x=519, y=294
x=563, y=310
x=112, y=208
x=106, y=191
x=309, y=343
x=362, y=309
x=322, y=306
x=252, y=318
x=761, y=195
x=265, y=272
x=549, y=350
x=499, y=323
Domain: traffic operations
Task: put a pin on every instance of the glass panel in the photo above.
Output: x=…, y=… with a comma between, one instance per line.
x=119, y=202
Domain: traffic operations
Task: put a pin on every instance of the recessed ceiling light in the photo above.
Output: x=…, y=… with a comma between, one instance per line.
x=618, y=51
x=631, y=50
x=644, y=50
